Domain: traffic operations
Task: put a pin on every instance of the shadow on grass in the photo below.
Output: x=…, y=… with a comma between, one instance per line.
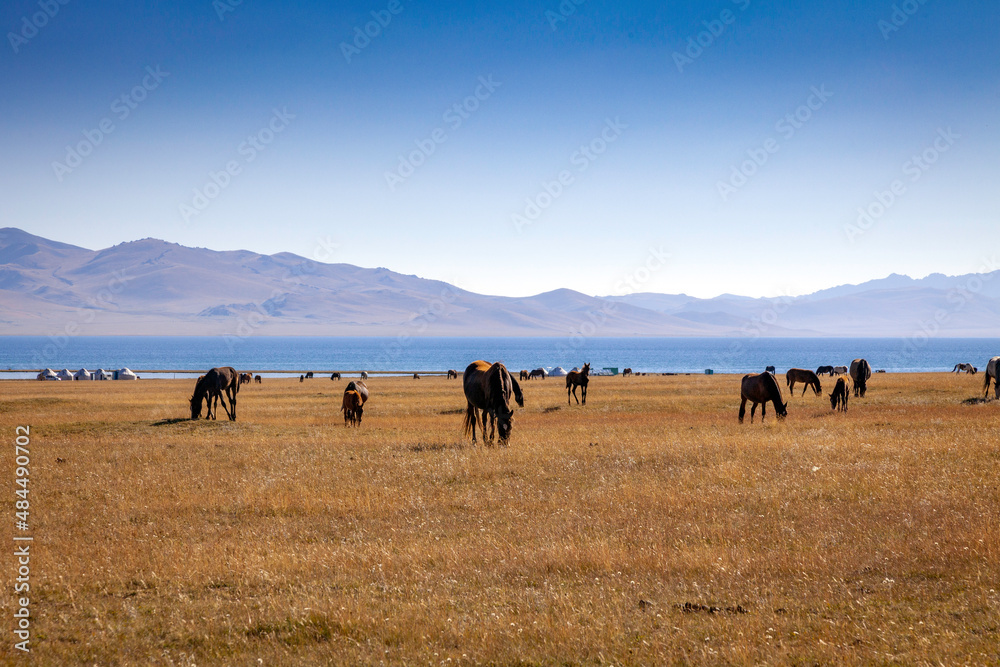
x=173, y=420
x=975, y=401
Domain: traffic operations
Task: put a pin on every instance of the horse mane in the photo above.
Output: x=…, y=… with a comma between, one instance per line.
x=496, y=390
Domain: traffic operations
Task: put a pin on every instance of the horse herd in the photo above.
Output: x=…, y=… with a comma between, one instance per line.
x=489, y=388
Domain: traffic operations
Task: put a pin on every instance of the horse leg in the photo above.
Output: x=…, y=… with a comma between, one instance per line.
x=569, y=388
x=743, y=408
x=753, y=409
x=763, y=411
x=232, y=401
x=583, y=391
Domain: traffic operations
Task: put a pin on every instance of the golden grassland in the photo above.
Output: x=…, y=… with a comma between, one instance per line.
x=645, y=528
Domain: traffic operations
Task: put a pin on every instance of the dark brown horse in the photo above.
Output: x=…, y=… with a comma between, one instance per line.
x=523, y=375
x=335, y=376
x=802, y=375
x=452, y=374
x=626, y=372
x=576, y=379
x=838, y=398
x=489, y=388
x=825, y=370
x=211, y=387
x=256, y=379
x=861, y=372
x=537, y=373
x=761, y=389
x=245, y=378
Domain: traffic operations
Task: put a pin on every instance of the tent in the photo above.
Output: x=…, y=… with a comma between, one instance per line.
x=101, y=374
x=125, y=374
x=558, y=372
x=48, y=374
x=83, y=374
x=65, y=374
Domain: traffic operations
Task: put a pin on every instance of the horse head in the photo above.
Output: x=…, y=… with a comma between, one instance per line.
x=782, y=409
x=505, y=422
x=195, y=406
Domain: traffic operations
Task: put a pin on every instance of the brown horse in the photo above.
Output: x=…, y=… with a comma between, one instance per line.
x=861, y=372
x=825, y=370
x=761, y=389
x=416, y=376
x=210, y=387
x=352, y=407
x=256, y=379
x=335, y=376
x=524, y=375
x=537, y=373
x=452, y=374
x=840, y=393
x=802, y=375
x=626, y=372
x=575, y=379
x=489, y=388
x=245, y=378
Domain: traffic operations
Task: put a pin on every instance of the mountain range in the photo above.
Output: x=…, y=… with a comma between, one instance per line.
x=151, y=287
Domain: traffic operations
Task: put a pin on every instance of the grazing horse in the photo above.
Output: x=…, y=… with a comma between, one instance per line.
x=352, y=407
x=416, y=376
x=523, y=375
x=364, y=375
x=626, y=372
x=452, y=374
x=802, y=375
x=770, y=369
x=968, y=368
x=861, y=372
x=210, y=388
x=575, y=379
x=761, y=389
x=840, y=393
x=335, y=376
x=840, y=370
x=992, y=371
x=489, y=388
x=245, y=378
x=825, y=370
x=537, y=373
x=309, y=374
x=256, y=379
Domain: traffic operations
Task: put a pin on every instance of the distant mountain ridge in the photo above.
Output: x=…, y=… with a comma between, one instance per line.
x=151, y=286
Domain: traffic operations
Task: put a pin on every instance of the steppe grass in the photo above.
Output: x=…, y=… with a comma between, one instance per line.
x=647, y=527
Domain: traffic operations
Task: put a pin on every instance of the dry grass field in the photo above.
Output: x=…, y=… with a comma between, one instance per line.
x=645, y=528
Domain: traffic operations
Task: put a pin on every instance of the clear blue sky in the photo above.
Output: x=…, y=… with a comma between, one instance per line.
x=833, y=99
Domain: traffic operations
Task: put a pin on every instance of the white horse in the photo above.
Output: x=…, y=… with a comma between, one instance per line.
x=968, y=368
x=992, y=369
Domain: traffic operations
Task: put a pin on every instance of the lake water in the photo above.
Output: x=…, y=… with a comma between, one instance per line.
x=654, y=355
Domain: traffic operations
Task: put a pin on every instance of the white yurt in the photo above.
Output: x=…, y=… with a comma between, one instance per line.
x=125, y=374
x=48, y=374
x=558, y=372
x=101, y=374
x=83, y=374
x=65, y=374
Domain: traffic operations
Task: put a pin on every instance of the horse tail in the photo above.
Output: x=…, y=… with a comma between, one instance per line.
x=986, y=380
x=470, y=418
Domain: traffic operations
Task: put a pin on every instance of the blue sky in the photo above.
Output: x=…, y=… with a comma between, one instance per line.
x=769, y=148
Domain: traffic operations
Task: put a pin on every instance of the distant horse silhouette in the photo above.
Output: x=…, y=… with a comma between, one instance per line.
x=211, y=387
x=256, y=379
x=769, y=369
x=537, y=373
x=353, y=402
x=802, y=375
x=416, y=376
x=523, y=375
x=452, y=374
x=992, y=371
x=576, y=379
x=489, y=388
x=861, y=372
x=840, y=370
x=968, y=368
x=335, y=376
x=626, y=372
x=825, y=370
x=364, y=375
x=760, y=389
x=838, y=397
x=245, y=378
x=309, y=374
